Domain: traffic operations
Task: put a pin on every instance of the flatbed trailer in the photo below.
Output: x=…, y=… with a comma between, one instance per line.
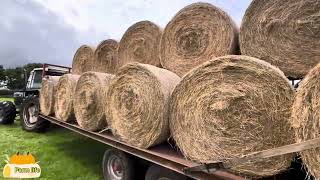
x=163, y=155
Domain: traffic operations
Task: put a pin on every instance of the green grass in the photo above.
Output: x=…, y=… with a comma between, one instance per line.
x=62, y=153
x=6, y=99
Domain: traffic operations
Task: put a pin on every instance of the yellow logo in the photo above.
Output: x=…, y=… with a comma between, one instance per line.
x=21, y=166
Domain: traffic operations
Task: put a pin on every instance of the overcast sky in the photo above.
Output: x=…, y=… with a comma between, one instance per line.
x=51, y=30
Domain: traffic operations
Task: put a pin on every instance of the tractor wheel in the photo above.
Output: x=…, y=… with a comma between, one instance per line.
x=7, y=112
x=29, y=114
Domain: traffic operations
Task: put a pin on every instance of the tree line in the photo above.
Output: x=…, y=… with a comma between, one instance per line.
x=14, y=78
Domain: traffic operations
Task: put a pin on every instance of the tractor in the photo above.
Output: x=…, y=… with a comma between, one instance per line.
x=26, y=101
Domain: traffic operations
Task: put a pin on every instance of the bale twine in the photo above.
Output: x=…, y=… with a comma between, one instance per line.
x=106, y=57
x=232, y=106
x=47, y=95
x=140, y=43
x=83, y=60
x=284, y=33
x=88, y=98
x=305, y=118
x=137, y=104
x=197, y=33
x=64, y=97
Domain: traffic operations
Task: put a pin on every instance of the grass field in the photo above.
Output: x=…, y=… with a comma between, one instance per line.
x=6, y=99
x=62, y=154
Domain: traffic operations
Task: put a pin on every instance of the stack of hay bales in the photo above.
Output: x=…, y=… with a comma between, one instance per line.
x=64, y=97
x=196, y=34
x=47, y=95
x=83, y=60
x=229, y=107
x=137, y=104
x=284, y=33
x=306, y=116
x=140, y=43
x=106, y=57
x=223, y=107
x=88, y=100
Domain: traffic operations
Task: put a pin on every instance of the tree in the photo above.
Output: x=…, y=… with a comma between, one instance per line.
x=14, y=78
x=2, y=74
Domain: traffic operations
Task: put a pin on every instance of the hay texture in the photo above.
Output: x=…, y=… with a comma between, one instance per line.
x=137, y=104
x=305, y=118
x=140, y=43
x=283, y=33
x=83, y=60
x=47, y=95
x=232, y=106
x=106, y=57
x=64, y=97
x=197, y=33
x=88, y=100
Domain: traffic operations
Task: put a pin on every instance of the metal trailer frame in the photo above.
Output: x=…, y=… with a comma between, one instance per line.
x=163, y=155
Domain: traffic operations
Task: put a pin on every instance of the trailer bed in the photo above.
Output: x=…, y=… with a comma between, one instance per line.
x=163, y=155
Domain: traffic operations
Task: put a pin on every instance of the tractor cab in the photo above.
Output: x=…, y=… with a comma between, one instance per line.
x=37, y=74
x=34, y=79
x=33, y=82
x=26, y=101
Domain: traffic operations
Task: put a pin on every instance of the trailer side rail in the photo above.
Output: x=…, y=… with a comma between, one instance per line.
x=163, y=155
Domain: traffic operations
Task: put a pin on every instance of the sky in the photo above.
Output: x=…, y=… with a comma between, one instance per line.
x=50, y=31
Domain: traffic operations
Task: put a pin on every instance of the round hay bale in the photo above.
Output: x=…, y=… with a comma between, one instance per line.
x=137, y=104
x=64, y=97
x=88, y=98
x=106, y=57
x=283, y=33
x=232, y=106
x=140, y=43
x=305, y=118
x=197, y=33
x=83, y=60
x=47, y=95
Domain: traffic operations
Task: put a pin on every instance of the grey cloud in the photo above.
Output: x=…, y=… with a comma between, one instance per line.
x=30, y=33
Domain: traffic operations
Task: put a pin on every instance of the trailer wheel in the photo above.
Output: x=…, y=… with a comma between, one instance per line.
x=29, y=114
x=156, y=172
x=7, y=112
x=117, y=165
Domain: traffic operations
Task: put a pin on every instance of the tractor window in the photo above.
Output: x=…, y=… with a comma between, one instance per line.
x=37, y=80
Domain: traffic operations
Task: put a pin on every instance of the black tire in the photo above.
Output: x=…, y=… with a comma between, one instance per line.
x=156, y=172
x=30, y=120
x=7, y=112
x=124, y=161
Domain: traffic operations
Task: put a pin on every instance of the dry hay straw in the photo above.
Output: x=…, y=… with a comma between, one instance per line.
x=88, y=100
x=64, y=97
x=83, y=60
x=305, y=118
x=197, y=33
x=106, y=57
x=137, y=104
x=140, y=43
x=232, y=106
x=47, y=95
x=283, y=33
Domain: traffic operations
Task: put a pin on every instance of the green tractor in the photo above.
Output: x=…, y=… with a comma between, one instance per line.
x=26, y=101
